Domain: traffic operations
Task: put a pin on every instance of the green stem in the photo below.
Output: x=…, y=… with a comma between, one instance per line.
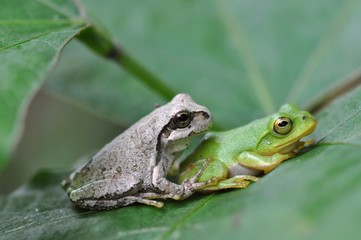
x=101, y=44
x=336, y=92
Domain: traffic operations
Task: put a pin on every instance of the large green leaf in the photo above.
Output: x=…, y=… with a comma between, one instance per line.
x=32, y=35
x=242, y=59
x=313, y=196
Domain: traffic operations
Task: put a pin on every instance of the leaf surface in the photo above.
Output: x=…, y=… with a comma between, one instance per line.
x=33, y=33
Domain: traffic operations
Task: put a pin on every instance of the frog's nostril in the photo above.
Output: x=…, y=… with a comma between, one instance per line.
x=206, y=115
x=304, y=117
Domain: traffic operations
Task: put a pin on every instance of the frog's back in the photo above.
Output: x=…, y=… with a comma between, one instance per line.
x=227, y=145
x=131, y=152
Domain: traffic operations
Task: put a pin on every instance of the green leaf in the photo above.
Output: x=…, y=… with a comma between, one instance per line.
x=313, y=196
x=33, y=33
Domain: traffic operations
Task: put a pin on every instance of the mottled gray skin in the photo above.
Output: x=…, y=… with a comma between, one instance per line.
x=133, y=167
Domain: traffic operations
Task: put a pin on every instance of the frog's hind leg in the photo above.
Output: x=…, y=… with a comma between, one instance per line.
x=218, y=170
x=238, y=181
x=102, y=204
x=110, y=193
x=107, y=188
x=213, y=172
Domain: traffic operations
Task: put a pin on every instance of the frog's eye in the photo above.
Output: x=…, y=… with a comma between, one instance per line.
x=282, y=125
x=182, y=119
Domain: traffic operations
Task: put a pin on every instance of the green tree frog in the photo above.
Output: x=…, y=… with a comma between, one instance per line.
x=132, y=168
x=238, y=156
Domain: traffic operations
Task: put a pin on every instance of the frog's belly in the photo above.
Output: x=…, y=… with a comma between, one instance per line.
x=240, y=170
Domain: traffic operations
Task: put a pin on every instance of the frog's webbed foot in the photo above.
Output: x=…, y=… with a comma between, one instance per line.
x=191, y=185
x=238, y=181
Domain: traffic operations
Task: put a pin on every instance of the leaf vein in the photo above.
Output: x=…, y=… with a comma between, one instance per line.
x=183, y=219
x=24, y=41
x=341, y=123
x=243, y=48
x=41, y=21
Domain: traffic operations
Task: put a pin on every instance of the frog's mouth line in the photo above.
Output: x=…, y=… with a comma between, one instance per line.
x=288, y=147
x=193, y=133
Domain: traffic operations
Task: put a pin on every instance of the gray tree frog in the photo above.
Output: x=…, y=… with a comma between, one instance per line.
x=132, y=168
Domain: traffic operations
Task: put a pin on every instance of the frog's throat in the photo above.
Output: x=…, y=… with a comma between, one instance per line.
x=292, y=147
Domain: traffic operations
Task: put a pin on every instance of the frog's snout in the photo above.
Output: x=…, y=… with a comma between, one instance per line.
x=206, y=115
x=311, y=121
x=203, y=114
x=205, y=120
x=307, y=116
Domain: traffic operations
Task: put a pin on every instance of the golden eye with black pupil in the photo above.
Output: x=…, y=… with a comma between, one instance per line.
x=282, y=125
x=182, y=119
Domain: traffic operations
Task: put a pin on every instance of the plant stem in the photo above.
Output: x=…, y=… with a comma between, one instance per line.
x=101, y=44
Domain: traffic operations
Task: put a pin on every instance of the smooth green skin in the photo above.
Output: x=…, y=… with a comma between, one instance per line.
x=235, y=157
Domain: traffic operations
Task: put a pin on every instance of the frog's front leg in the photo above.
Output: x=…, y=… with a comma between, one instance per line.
x=259, y=162
x=238, y=181
x=186, y=188
x=217, y=170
